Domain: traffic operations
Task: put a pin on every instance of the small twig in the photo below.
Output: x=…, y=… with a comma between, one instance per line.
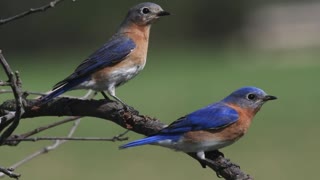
x=56, y=143
x=9, y=115
x=30, y=11
x=46, y=149
x=9, y=172
x=6, y=119
x=34, y=139
x=4, y=91
x=15, y=81
x=14, y=139
x=118, y=137
x=4, y=83
x=43, y=128
x=18, y=79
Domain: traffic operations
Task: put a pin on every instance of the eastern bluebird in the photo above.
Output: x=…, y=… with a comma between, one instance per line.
x=117, y=61
x=212, y=127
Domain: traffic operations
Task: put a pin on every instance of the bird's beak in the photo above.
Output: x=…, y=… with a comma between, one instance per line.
x=269, y=97
x=163, y=13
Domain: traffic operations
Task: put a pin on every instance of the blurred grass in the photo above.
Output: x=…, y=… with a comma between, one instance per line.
x=281, y=143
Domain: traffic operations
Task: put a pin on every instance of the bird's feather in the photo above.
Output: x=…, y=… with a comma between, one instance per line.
x=111, y=53
x=151, y=140
x=213, y=116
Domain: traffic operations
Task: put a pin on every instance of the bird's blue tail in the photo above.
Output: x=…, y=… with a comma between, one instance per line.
x=52, y=95
x=60, y=90
x=150, y=140
x=147, y=140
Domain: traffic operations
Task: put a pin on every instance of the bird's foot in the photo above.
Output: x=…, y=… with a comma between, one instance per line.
x=126, y=107
x=105, y=96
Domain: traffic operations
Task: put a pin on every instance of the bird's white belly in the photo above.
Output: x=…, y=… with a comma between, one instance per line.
x=114, y=78
x=120, y=76
x=194, y=147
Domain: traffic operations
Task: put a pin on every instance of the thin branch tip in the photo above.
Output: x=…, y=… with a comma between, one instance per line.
x=30, y=11
x=9, y=172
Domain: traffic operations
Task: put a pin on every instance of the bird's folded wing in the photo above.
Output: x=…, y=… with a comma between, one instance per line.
x=214, y=116
x=109, y=54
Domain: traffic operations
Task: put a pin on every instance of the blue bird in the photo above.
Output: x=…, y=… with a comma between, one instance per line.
x=117, y=61
x=212, y=127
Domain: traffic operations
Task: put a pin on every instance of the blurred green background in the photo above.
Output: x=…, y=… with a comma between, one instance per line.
x=196, y=56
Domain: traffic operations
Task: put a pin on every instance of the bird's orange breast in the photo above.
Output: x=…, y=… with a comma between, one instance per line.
x=134, y=62
x=231, y=132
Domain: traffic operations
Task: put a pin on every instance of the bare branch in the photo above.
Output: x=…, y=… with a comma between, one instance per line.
x=57, y=142
x=9, y=115
x=3, y=91
x=40, y=129
x=8, y=172
x=34, y=139
x=30, y=11
x=27, y=93
x=46, y=149
x=3, y=83
x=14, y=139
x=15, y=81
x=118, y=137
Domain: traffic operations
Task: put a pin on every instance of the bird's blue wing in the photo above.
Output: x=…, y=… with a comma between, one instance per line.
x=214, y=116
x=114, y=51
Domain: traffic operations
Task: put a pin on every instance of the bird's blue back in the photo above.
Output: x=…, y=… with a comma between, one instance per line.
x=214, y=116
x=211, y=117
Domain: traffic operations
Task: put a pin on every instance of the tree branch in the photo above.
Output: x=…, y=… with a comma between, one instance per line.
x=30, y=11
x=14, y=139
x=27, y=93
x=8, y=172
x=56, y=144
x=114, y=111
x=34, y=139
x=3, y=83
x=15, y=84
x=46, y=149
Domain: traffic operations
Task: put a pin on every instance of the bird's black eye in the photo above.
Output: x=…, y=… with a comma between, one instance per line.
x=251, y=96
x=145, y=10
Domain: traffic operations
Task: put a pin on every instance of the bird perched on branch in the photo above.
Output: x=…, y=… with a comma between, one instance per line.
x=212, y=127
x=118, y=60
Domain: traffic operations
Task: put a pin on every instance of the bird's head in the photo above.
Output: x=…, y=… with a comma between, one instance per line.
x=248, y=98
x=145, y=13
